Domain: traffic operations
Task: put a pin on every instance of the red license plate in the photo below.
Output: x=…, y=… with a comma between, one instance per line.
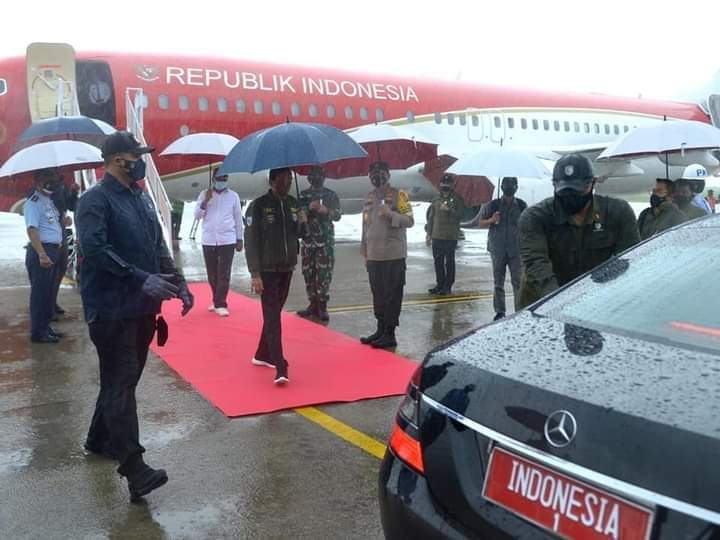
x=559, y=503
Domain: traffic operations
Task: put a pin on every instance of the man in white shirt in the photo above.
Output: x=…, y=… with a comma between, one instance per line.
x=222, y=235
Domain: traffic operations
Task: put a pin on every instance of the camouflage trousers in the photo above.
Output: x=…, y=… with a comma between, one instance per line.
x=317, y=269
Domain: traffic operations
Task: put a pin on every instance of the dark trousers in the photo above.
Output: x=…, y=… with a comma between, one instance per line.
x=444, y=255
x=387, y=280
x=122, y=347
x=42, y=285
x=500, y=262
x=276, y=286
x=61, y=268
x=218, y=261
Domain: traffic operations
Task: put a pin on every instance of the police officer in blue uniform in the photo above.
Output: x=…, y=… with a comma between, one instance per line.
x=42, y=220
x=127, y=272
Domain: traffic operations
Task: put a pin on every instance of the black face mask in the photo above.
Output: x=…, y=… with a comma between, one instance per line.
x=573, y=202
x=656, y=200
x=316, y=183
x=50, y=186
x=135, y=169
x=682, y=200
x=445, y=189
x=377, y=179
x=509, y=191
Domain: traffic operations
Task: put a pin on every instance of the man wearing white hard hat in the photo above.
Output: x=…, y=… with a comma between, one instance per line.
x=695, y=175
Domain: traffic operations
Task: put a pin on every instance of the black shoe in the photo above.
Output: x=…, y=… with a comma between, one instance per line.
x=435, y=289
x=282, y=377
x=386, y=341
x=445, y=291
x=55, y=333
x=499, y=316
x=103, y=451
x=321, y=311
x=59, y=310
x=144, y=481
x=308, y=311
x=48, y=338
x=367, y=340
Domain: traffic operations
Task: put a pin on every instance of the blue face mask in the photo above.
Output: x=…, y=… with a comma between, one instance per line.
x=220, y=186
x=135, y=169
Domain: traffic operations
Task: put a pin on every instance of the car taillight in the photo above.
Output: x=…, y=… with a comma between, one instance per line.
x=404, y=440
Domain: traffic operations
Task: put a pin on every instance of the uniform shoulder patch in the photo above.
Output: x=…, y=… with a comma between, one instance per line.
x=403, y=202
x=34, y=198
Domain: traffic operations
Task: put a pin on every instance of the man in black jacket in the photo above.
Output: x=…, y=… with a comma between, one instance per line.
x=275, y=223
x=127, y=272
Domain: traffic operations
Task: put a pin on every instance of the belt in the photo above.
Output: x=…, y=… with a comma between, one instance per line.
x=53, y=244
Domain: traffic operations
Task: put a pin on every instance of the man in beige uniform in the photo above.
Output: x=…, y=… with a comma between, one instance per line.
x=386, y=215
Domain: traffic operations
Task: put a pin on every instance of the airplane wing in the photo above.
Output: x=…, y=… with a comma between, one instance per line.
x=604, y=170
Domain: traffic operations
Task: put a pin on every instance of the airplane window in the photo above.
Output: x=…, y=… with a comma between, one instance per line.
x=258, y=106
x=348, y=112
x=577, y=127
x=240, y=105
x=222, y=105
x=295, y=109
x=312, y=110
x=597, y=128
x=607, y=129
x=523, y=123
x=410, y=116
x=379, y=114
x=626, y=129
x=511, y=123
x=587, y=127
x=556, y=125
x=498, y=121
x=330, y=111
x=3, y=87
x=203, y=104
x=276, y=108
x=438, y=118
x=546, y=125
x=475, y=121
x=363, y=113
x=163, y=101
x=536, y=124
x=463, y=119
x=566, y=125
x=184, y=103
x=451, y=118
x=616, y=129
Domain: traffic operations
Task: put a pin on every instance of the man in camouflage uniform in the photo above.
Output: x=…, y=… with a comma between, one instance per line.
x=571, y=233
x=386, y=215
x=322, y=207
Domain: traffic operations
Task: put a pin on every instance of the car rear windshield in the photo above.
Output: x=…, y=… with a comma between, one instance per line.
x=667, y=289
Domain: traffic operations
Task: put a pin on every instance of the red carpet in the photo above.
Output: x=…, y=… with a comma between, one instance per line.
x=213, y=354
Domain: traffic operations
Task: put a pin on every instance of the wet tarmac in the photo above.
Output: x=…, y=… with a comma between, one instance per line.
x=270, y=476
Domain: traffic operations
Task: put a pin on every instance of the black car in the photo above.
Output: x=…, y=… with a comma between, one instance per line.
x=593, y=414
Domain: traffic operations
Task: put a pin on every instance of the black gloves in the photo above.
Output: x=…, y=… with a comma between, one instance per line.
x=187, y=298
x=159, y=287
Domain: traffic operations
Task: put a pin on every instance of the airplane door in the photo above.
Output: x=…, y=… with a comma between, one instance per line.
x=50, y=73
x=95, y=93
x=475, y=126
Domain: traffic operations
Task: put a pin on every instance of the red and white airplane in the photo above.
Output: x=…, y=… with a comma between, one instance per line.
x=187, y=95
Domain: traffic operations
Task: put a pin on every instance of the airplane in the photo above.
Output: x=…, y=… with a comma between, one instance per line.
x=183, y=94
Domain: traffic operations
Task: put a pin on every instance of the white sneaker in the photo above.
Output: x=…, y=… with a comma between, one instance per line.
x=223, y=312
x=211, y=307
x=256, y=362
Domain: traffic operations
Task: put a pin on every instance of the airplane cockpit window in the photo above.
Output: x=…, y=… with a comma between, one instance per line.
x=258, y=106
x=203, y=104
x=410, y=116
x=463, y=119
x=523, y=123
x=313, y=110
x=3, y=87
x=498, y=121
x=184, y=103
x=451, y=119
x=330, y=111
x=276, y=108
x=163, y=101
x=379, y=115
x=511, y=123
x=363, y=113
x=475, y=121
x=222, y=104
x=240, y=105
x=295, y=109
x=348, y=112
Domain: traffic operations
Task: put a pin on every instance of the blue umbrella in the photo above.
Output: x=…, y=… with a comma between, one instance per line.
x=290, y=145
x=79, y=128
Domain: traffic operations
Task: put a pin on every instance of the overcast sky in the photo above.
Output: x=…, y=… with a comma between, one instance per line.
x=626, y=47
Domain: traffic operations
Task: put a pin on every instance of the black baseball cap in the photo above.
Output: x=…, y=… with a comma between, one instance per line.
x=123, y=141
x=573, y=171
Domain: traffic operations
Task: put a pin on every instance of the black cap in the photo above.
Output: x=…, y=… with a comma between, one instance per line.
x=381, y=165
x=123, y=141
x=573, y=171
x=447, y=178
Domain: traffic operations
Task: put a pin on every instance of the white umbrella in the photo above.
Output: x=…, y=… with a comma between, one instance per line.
x=664, y=137
x=386, y=132
x=498, y=163
x=204, y=144
x=74, y=155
